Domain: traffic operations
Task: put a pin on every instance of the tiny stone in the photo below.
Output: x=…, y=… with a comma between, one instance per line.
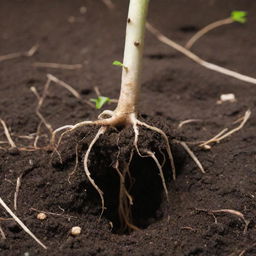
x=71, y=19
x=41, y=216
x=83, y=9
x=229, y=97
x=75, y=231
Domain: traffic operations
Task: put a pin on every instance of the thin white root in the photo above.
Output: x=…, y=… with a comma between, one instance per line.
x=37, y=135
x=7, y=134
x=76, y=164
x=161, y=173
x=168, y=148
x=15, y=55
x=245, y=250
x=192, y=155
x=230, y=211
x=105, y=114
x=2, y=233
x=65, y=85
x=40, y=103
x=57, y=65
x=21, y=223
x=221, y=136
x=150, y=154
x=197, y=59
x=245, y=119
x=124, y=207
x=109, y=4
x=213, y=139
x=18, y=184
x=69, y=88
x=206, y=29
x=187, y=122
x=87, y=172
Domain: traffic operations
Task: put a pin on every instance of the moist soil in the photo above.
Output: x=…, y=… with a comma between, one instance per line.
x=174, y=89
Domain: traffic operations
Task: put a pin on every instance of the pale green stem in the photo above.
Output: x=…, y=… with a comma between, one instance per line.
x=134, y=43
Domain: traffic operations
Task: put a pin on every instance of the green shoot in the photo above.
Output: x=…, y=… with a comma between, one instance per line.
x=119, y=64
x=239, y=16
x=100, y=101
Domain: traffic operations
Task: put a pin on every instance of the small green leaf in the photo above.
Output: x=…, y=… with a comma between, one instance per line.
x=239, y=16
x=100, y=101
x=117, y=63
x=120, y=64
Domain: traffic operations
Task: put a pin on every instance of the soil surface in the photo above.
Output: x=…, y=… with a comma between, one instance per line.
x=174, y=89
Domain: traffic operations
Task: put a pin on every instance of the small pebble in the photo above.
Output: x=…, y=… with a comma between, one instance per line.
x=229, y=97
x=41, y=216
x=83, y=9
x=71, y=19
x=75, y=231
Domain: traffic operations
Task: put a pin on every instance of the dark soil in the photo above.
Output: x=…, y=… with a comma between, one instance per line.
x=174, y=89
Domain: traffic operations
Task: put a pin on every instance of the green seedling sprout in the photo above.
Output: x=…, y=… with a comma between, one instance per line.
x=100, y=101
x=119, y=64
x=235, y=16
x=239, y=16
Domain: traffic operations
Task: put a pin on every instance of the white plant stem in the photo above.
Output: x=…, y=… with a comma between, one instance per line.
x=134, y=43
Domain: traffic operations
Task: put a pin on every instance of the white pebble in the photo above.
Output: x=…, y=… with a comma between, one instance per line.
x=83, y=9
x=75, y=231
x=227, y=97
x=41, y=216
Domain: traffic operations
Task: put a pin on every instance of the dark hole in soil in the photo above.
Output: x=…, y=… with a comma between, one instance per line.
x=146, y=190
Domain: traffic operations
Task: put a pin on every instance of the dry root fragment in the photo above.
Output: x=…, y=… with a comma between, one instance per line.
x=192, y=155
x=57, y=65
x=246, y=249
x=2, y=233
x=18, y=184
x=230, y=211
x=188, y=121
x=206, y=29
x=7, y=134
x=15, y=55
x=225, y=133
x=197, y=59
